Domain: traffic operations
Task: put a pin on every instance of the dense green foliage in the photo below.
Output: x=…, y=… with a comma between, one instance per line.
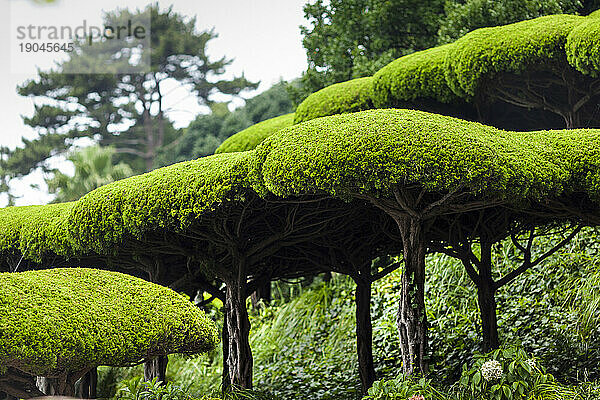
x=352, y=39
x=67, y=320
x=371, y=151
x=367, y=152
x=485, y=52
x=350, y=96
x=582, y=46
x=416, y=76
x=465, y=16
x=166, y=198
x=34, y=231
x=456, y=73
x=251, y=137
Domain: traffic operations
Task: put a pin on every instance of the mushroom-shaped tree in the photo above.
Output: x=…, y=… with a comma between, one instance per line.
x=423, y=170
x=61, y=323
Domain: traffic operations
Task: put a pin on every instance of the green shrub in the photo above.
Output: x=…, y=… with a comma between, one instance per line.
x=339, y=98
x=251, y=137
x=404, y=388
x=35, y=231
x=166, y=198
x=413, y=77
x=582, y=47
x=371, y=151
x=68, y=320
x=485, y=52
x=507, y=374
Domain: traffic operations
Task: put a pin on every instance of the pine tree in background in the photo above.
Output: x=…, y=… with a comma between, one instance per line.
x=126, y=111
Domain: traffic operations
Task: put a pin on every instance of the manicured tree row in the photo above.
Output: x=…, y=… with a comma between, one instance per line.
x=543, y=73
x=506, y=224
x=61, y=323
x=155, y=214
x=418, y=168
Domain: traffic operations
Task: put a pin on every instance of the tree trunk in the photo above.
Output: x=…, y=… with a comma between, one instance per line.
x=412, y=320
x=489, y=321
x=486, y=293
x=364, y=333
x=239, y=357
x=225, y=378
x=88, y=385
x=262, y=292
x=156, y=368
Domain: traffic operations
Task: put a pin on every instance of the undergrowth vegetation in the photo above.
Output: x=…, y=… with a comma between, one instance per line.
x=304, y=343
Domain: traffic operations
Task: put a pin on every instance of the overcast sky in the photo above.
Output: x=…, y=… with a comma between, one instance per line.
x=263, y=37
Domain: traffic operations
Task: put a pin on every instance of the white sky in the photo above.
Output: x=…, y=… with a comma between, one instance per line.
x=263, y=37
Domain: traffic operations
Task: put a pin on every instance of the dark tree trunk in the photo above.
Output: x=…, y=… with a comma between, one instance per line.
x=156, y=368
x=364, y=333
x=489, y=321
x=239, y=357
x=486, y=293
x=412, y=320
x=225, y=378
x=262, y=292
x=88, y=385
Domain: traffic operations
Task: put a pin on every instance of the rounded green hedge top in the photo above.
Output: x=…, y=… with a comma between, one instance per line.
x=36, y=230
x=485, y=52
x=349, y=96
x=415, y=76
x=583, y=46
x=250, y=137
x=371, y=151
x=166, y=198
x=72, y=319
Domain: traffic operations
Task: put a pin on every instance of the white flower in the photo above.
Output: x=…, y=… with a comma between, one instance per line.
x=531, y=363
x=491, y=370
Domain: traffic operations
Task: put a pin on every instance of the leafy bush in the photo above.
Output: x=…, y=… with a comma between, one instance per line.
x=69, y=320
x=507, y=374
x=402, y=388
x=416, y=76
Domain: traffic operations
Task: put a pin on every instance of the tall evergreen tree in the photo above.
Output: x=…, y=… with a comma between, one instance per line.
x=124, y=110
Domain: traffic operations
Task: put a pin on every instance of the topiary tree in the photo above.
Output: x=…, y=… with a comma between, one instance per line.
x=420, y=169
x=61, y=323
x=526, y=65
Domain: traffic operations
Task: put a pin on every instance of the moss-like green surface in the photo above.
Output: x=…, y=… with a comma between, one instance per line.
x=583, y=46
x=344, y=97
x=68, y=320
x=251, y=137
x=371, y=151
x=366, y=152
x=485, y=52
x=416, y=76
